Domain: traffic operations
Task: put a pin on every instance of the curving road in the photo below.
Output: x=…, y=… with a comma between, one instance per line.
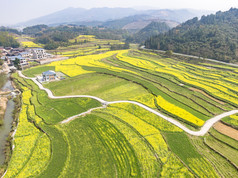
x=204, y=129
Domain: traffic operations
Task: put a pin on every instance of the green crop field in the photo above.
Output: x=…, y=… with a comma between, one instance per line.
x=123, y=139
x=107, y=87
x=38, y=70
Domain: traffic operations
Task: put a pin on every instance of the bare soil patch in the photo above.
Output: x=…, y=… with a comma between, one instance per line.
x=205, y=94
x=226, y=130
x=109, y=62
x=56, y=58
x=3, y=106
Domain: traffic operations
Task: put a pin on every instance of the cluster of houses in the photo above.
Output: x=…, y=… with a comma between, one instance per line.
x=9, y=55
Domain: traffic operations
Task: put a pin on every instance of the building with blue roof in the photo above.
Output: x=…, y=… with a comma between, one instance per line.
x=49, y=75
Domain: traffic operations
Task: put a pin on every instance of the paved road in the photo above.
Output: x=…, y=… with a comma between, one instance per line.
x=204, y=129
x=196, y=57
x=50, y=94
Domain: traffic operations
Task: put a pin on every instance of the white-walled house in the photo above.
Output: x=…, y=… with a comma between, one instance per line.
x=49, y=75
x=11, y=59
x=39, y=53
x=26, y=54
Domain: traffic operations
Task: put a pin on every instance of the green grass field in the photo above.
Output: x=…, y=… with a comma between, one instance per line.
x=125, y=140
x=223, y=149
x=107, y=87
x=232, y=121
x=38, y=70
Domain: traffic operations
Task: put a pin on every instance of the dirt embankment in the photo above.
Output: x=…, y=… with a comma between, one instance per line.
x=109, y=62
x=205, y=94
x=3, y=107
x=226, y=130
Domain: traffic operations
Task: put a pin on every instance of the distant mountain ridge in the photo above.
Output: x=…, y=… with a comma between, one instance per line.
x=136, y=22
x=213, y=36
x=70, y=15
x=100, y=16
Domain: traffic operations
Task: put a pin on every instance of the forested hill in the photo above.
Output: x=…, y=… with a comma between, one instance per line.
x=213, y=36
x=154, y=28
x=6, y=40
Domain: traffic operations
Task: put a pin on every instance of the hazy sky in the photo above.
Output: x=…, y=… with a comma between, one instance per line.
x=14, y=11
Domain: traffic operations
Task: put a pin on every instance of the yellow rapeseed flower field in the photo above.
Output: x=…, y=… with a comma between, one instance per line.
x=30, y=44
x=178, y=111
x=74, y=66
x=31, y=147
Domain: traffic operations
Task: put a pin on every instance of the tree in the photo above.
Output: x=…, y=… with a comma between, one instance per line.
x=169, y=53
x=7, y=40
x=51, y=46
x=16, y=63
x=126, y=45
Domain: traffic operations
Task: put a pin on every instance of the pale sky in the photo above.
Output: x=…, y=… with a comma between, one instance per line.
x=15, y=11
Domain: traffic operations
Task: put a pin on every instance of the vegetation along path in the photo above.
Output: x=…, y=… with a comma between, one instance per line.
x=204, y=129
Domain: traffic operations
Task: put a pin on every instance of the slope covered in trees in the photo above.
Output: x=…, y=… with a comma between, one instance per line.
x=7, y=40
x=154, y=28
x=53, y=37
x=213, y=36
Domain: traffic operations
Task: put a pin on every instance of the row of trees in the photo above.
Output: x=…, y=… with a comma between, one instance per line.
x=9, y=30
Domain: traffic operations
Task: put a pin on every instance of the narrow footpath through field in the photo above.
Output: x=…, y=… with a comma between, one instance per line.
x=204, y=129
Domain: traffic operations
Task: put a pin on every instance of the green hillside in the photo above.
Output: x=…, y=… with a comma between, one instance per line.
x=213, y=36
x=154, y=28
x=7, y=40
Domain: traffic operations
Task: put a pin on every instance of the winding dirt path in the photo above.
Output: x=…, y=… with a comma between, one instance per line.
x=204, y=129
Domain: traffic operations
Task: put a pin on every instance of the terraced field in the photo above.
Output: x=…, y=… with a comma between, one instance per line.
x=27, y=42
x=123, y=139
x=85, y=45
x=30, y=44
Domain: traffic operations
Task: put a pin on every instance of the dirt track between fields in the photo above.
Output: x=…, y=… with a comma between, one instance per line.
x=205, y=94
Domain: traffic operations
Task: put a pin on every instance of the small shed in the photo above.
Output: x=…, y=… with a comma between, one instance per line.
x=49, y=75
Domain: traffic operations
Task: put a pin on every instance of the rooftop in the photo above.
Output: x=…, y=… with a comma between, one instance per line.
x=22, y=53
x=38, y=49
x=14, y=57
x=49, y=72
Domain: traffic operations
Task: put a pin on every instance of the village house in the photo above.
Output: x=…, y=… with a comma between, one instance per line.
x=26, y=54
x=39, y=53
x=18, y=50
x=14, y=51
x=8, y=48
x=10, y=60
x=49, y=75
